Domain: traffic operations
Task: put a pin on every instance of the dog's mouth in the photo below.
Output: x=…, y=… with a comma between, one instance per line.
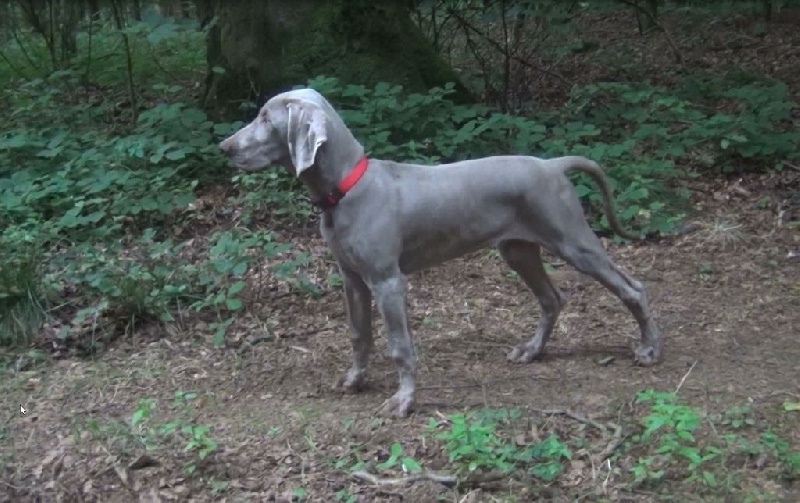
x=245, y=163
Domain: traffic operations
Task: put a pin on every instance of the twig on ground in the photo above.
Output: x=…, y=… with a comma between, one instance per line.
x=683, y=379
x=251, y=341
x=612, y=429
x=445, y=479
x=616, y=441
x=306, y=332
x=783, y=392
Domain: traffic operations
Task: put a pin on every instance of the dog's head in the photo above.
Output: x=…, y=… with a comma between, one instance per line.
x=289, y=130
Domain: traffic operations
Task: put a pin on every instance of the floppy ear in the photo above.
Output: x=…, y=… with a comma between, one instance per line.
x=305, y=132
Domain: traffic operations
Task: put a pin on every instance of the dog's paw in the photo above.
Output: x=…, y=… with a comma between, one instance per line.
x=646, y=356
x=521, y=354
x=353, y=380
x=399, y=405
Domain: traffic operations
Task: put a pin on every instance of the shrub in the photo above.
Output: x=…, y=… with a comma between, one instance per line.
x=431, y=128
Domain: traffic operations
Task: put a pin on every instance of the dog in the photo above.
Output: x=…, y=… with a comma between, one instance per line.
x=384, y=220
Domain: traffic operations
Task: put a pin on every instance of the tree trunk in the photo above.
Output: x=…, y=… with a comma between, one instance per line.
x=136, y=6
x=169, y=8
x=766, y=8
x=94, y=9
x=5, y=14
x=68, y=29
x=646, y=15
x=269, y=46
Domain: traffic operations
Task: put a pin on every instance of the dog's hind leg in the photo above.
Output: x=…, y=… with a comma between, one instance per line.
x=359, y=316
x=584, y=251
x=525, y=258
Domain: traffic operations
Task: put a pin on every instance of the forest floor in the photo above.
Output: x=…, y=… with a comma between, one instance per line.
x=726, y=294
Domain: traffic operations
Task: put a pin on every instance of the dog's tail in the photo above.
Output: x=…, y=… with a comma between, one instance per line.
x=591, y=168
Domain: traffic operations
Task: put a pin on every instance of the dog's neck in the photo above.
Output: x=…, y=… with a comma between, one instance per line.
x=334, y=160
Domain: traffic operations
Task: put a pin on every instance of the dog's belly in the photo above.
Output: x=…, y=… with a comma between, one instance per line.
x=417, y=258
x=430, y=244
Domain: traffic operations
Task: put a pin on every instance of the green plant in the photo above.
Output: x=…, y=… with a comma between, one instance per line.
x=21, y=309
x=86, y=192
x=199, y=444
x=196, y=439
x=547, y=457
x=738, y=417
x=345, y=496
x=474, y=442
x=670, y=427
x=790, y=460
x=298, y=493
x=218, y=486
x=396, y=458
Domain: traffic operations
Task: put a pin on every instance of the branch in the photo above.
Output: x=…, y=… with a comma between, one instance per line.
x=445, y=479
x=496, y=45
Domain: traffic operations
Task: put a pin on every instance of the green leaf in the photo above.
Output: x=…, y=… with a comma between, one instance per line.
x=233, y=303
x=582, y=190
x=176, y=155
x=396, y=449
x=236, y=287
x=239, y=269
x=709, y=479
x=411, y=464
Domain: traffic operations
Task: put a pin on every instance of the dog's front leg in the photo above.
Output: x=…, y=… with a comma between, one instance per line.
x=390, y=295
x=359, y=316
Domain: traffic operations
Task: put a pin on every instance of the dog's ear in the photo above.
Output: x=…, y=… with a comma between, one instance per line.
x=305, y=132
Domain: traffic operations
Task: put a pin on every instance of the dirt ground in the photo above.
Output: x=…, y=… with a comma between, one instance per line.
x=726, y=294
x=727, y=297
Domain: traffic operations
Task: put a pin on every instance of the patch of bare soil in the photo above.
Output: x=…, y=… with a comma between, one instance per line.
x=726, y=294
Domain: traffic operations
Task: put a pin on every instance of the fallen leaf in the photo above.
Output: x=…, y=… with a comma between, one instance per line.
x=48, y=459
x=791, y=406
x=143, y=461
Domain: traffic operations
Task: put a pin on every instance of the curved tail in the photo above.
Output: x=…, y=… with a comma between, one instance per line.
x=591, y=168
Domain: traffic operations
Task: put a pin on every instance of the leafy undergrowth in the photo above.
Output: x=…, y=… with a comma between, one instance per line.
x=109, y=215
x=664, y=441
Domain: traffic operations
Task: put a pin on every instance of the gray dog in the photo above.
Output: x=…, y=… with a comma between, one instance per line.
x=400, y=218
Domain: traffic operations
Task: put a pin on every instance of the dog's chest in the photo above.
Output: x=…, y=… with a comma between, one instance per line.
x=344, y=253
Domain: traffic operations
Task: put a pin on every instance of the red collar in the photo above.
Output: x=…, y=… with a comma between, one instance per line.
x=349, y=181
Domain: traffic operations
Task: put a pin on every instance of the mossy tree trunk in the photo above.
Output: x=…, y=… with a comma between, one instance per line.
x=268, y=46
